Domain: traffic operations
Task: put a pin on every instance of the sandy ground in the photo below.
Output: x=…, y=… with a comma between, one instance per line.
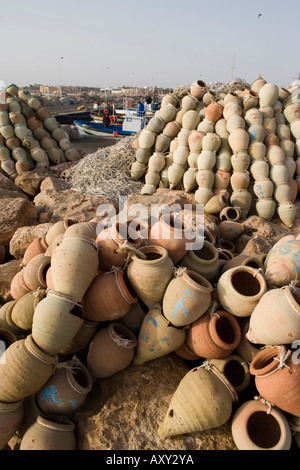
x=90, y=143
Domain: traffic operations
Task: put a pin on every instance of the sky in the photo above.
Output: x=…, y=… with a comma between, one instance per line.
x=164, y=43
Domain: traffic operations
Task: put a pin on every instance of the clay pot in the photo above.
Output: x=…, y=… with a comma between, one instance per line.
x=202, y=401
x=56, y=321
x=6, y=322
x=260, y=170
x=214, y=335
x=49, y=434
x=173, y=234
x=242, y=199
x=134, y=318
x=169, y=98
x=283, y=193
x=243, y=260
x=156, y=125
x=235, y=122
x=211, y=142
x=175, y=174
x=189, y=180
x=14, y=118
x=204, y=261
x=257, y=150
x=240, y=161
x=23, y=311
x=287, y=212
x=187, y=297
x=156, y=162
x=74, y=264
x=239, y=140
x=277, y=378
x=157, y=337
x=195, y=140
x=116, y=244
x=253, y=116
x=18, y=287
x=275, y=155
x=230, y=230
x=215, y=204
x=256, y=427
x=111, y=350
x=206, y=126
x=246, y=349
x=11, y=417
x=35, y=272
x=36, y=247
x=80, y=342
x=263, y=188
x=240, y=289
x=268, y=94
x=257, y=84
x=240, y=180
x=56, y=229
x=180, y=155
x=250, y=99
x=275, y=319
x=292, y=112
x=189, y=102
x=168, y=112
x=214, y=111
x=266, y=208
x=109, y=297
x=235, y=369
x=149, y=273
x=257, y=133
x=66, y=390
x=26, y=370
x=233, y=214
x=231, y=108
x=185, y=353
x=190, y=119
x=198, y=88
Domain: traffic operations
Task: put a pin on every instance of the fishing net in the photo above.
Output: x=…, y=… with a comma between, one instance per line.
x=106, y=172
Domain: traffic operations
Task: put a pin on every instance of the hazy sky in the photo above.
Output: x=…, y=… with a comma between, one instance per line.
x=167, y=43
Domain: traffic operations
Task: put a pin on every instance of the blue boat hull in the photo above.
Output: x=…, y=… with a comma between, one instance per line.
x=98, y=128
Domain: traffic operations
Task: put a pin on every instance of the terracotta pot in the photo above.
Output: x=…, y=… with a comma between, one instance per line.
x=35, y=271
x=116, y=294
x=232, y=214
x=275, y=155
x=214, y=335
x=240, y=161
x=253, y=116
x=180, y=155
x=49, y=434
x=172, y=129
x=66, y=390
x=134, y=318
x=80, y=342
x=206, y=126
x=256, y=427
x=169, y=98
x=257, y=84
x=173, y=234
x=235, y=122
x=236, y=370
x=232, y=96
x=204, y=261
x=222, y=180
x=231, y=108
x=11, y=417
x=257, y=150
x=203, y=195
x=175, y=174
x=26, y=370
x=240, y=180
x=36, y=247
x=157, y=337
x=243, y=260
x=277, y=382
x=187, y=297
x=189, y=102
x=56, y=229
x=18, y=287
x=230, y=230
x=292, y=112
x=7, y=131
x=111, y=350
x=202, y=401
x=116, y=245
x=263, y=188
x=190, y=119
x=224, y=160
x=156, y=125
x=280, y=327
x=56, y=321
x=195, y=140
x=168, y=112
x=74, y=264
x=283, y=194
x=14, y=118
x=214, y=111
x=268, y=94
x=23, y=311
x=240, y=289
x=6, y=322
x=260, y=170
x=246, y=349
x=211, y=142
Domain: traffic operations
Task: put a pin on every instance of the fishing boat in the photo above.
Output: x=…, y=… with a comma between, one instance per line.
x=131, y=125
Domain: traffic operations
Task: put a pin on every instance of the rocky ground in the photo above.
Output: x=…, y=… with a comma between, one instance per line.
x=124, y=411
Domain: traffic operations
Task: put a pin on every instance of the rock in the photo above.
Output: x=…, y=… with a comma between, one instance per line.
x=125, y=410
x=6, y=183
x=7, y=193
x=256, y=226
x=24, y=236
x=15, y=213
x=53, y=206
x=30, y=181
x=7, y=272
x=52, y=183
x=62, y=170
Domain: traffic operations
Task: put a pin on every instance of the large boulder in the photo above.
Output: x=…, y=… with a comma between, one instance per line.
x=15, y=213
x=7, y=272
x=123, y=412
x=30, y=181
x=24, y=236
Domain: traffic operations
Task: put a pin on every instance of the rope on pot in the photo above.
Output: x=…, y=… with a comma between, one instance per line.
x=38, y=357
x=212, y=309
x=179, y=272
x=209, y=366
x=265, y=402
x=259, y=270
x=119, y=339
x=283, y=355
x=95, y=244
x=51, y=292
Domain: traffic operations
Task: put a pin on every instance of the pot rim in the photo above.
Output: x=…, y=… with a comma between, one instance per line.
x=10, y=407
x=212, y=248
x=212, y=327
x=288, y=291
x=260, y=278
x=67, y=425
x=151, y=249
x=114, y=336
x=202, y=284
x=122, y=286
x=71, y=376
x=263, y=356
x=33, y=348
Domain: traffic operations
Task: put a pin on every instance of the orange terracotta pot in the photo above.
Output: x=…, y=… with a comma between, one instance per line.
x=18, y=287
x=214, y=111
x=214, y=336
x=109, y=297
x=36, y=247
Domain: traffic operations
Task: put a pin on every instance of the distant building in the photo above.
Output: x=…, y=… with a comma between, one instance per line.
x=72, y=90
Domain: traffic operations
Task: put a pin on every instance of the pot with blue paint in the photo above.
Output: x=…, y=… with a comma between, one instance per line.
x=67, y=388
x=187, y=297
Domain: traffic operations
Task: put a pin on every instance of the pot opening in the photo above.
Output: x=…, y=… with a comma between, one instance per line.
x=123, y=336
x=263, y=429
x=76, y=311
x=225, y=330
x=205, y=253
x=227, y=245
x=198, y=278
x=44, y=273
x=80, y=378
x=245, y=283
x=174, y=221
x=6, y=341
x=253, y=264
x=232, y=214
x=234, y=372
x=151, y=255
x=296, y=294
x=201, y=83
x=122, y=230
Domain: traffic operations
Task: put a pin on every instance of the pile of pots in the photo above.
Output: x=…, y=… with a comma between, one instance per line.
x=30, y=136
x=89, y=303
x=242, y=144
